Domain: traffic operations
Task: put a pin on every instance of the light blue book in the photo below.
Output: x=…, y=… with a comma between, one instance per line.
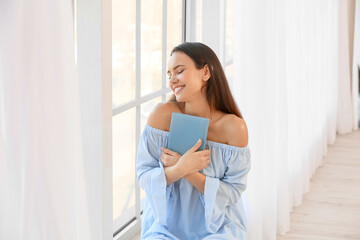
x=185, y=131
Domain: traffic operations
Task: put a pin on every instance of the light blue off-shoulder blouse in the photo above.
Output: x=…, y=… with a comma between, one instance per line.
x=180, y=211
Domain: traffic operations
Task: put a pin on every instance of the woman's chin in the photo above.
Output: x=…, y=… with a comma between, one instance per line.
x=179, y=98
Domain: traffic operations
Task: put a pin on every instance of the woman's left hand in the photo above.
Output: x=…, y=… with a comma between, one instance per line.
x=169, y=158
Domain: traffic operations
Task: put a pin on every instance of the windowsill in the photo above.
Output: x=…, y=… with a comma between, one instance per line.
x=132, y=231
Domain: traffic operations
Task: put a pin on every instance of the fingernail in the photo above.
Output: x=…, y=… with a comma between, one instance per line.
x=199, y=140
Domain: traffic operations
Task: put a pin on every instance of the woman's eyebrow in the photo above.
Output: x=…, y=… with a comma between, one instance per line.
x=175, y=68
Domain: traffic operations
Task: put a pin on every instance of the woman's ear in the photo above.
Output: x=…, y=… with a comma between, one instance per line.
x=206, y=73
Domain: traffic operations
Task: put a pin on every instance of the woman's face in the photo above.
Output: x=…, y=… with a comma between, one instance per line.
x=185, y=80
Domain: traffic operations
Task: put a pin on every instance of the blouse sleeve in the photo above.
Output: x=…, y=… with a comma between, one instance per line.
x=151, y=175
x=220, y=193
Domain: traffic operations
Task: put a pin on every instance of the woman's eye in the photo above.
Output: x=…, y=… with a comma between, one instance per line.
x=169, y=76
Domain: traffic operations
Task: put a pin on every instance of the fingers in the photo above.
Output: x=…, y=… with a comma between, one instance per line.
x=204, y=163
x=206, y=159
x=162, y=157
x=168, y=159
x=168, y=151
x=196, y=146
x=204, y=153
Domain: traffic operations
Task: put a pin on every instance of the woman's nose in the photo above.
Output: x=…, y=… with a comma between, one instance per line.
x=172, y=80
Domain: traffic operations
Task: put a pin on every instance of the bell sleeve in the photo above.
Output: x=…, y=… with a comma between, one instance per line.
x=151, y=174
x=221, y=193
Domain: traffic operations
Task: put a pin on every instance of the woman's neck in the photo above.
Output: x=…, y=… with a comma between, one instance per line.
x=199, y=107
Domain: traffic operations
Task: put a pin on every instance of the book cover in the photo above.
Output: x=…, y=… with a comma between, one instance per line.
x=185, y=131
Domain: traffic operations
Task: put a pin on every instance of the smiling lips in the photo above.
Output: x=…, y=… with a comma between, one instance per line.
x=177, y=89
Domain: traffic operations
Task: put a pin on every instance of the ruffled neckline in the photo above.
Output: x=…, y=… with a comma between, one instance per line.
x=208, y=142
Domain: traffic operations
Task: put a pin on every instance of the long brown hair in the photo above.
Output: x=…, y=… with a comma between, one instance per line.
x=218, y=93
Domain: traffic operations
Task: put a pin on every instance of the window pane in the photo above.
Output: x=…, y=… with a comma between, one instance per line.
x=174, y=24
x=229, y=73
x=124, y=165
x=229, y=30
x=123, y=51
x=151, y=46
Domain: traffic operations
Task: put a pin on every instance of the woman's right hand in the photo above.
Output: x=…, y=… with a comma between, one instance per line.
x=193, y=161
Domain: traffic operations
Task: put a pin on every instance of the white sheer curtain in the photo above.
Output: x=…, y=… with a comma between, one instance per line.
x=286, y=81
x=42, y=189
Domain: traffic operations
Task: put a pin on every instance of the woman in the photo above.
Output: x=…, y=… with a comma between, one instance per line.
x=197, y=195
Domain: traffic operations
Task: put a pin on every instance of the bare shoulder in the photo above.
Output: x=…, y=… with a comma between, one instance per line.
x=236, y=130
x=160, y=116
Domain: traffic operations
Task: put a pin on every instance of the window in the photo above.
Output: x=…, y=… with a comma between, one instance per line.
x=143, y=34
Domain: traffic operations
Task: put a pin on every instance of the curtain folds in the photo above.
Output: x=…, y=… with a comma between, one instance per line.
x=292, y=88
x=291, y=81
x=41, y=165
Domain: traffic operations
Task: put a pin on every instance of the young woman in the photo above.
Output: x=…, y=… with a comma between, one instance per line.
x=196, y=195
